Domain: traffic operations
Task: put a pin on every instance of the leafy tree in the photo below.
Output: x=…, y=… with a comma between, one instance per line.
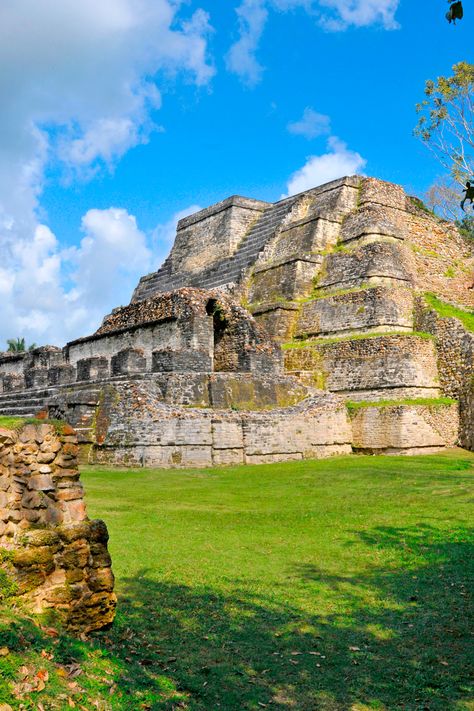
x=466, y=226
x=446, y=121
x=18, y=345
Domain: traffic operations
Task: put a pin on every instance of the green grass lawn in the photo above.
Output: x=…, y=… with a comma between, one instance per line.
x=344, y=584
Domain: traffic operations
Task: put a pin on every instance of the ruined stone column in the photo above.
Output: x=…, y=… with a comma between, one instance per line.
x=52, y=555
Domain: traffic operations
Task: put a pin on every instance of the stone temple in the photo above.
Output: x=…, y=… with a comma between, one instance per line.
x=274, y=331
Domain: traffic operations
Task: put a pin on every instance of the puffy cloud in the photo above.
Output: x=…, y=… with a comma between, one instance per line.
x=331, y=15
x=241, y=58
x=53, y=294
x=81, y=85
x=336, y=163
x=311, y=124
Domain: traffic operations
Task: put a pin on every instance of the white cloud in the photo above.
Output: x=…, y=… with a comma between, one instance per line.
x=338, y=162
x=331, y=15
x=78, y=84
x=359, y=13
x=50, y=294
x=311, y=124
x=241, y=58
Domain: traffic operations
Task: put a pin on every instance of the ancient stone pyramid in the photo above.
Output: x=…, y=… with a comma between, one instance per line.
x=303, y=328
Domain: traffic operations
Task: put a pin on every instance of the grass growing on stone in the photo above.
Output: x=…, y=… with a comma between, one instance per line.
x=443, y=308
x=16, y=423
x=338, y=585
x=322, y=341
x=11, y=423
x=427, y=401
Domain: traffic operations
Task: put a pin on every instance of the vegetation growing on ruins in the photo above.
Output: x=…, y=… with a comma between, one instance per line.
x=338, y=584
x=303, y=343
x=443, y=308
x=353, y=406
x=16, y=423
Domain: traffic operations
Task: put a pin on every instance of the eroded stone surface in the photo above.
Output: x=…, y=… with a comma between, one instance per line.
x=55, y=554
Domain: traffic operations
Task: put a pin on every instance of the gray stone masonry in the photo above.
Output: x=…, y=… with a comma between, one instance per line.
x=327, y=285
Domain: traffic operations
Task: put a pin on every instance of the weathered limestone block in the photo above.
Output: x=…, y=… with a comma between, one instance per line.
x=180, y=437
x=372, y=263
x=309, y=235
x=379, y=192
x=13, y=382
x=56, y=556
x=246, y=392
x=378, y=308
x=455, y=351
x=278, y=319
x=61, y=374
x=288, y=280
x=36, y=377
x=169, y=361
x=213, y=233
x=371, y=222
x=405, y=429
x=127, y=361
x=390, y=366
x=95, y=368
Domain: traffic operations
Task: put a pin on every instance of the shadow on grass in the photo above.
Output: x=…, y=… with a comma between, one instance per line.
x=395, y=640
x=388, y=639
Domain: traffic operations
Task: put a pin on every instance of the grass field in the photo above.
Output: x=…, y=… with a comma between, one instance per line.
x=344, y=584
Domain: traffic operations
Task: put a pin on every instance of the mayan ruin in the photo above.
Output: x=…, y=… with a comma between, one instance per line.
x=273, y=331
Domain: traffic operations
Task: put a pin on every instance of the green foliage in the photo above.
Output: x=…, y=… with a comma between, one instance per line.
x=18, y=345
x=16, y=423
x=11, y=423
x=466, y=226
x=331, y=585
x=355, y=337
x=418, y=202
x=353, y=406
x=443, y=308
x=446, y=121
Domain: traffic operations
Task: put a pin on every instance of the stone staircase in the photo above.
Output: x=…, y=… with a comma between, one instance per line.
x=228, y=270
x=24, y=403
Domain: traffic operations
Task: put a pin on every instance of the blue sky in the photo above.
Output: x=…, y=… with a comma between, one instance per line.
x=118, y=120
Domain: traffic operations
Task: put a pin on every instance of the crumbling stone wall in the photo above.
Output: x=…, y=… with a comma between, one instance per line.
x=141, y=430
x=455, y=352
x=371, y=368
x=55, y=555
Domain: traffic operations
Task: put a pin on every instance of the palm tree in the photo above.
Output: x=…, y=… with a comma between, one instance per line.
x=18, y=345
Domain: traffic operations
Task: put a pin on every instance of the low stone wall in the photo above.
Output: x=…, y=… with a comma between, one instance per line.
x=56, y=557
x=405, y=429
x=139, y=430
